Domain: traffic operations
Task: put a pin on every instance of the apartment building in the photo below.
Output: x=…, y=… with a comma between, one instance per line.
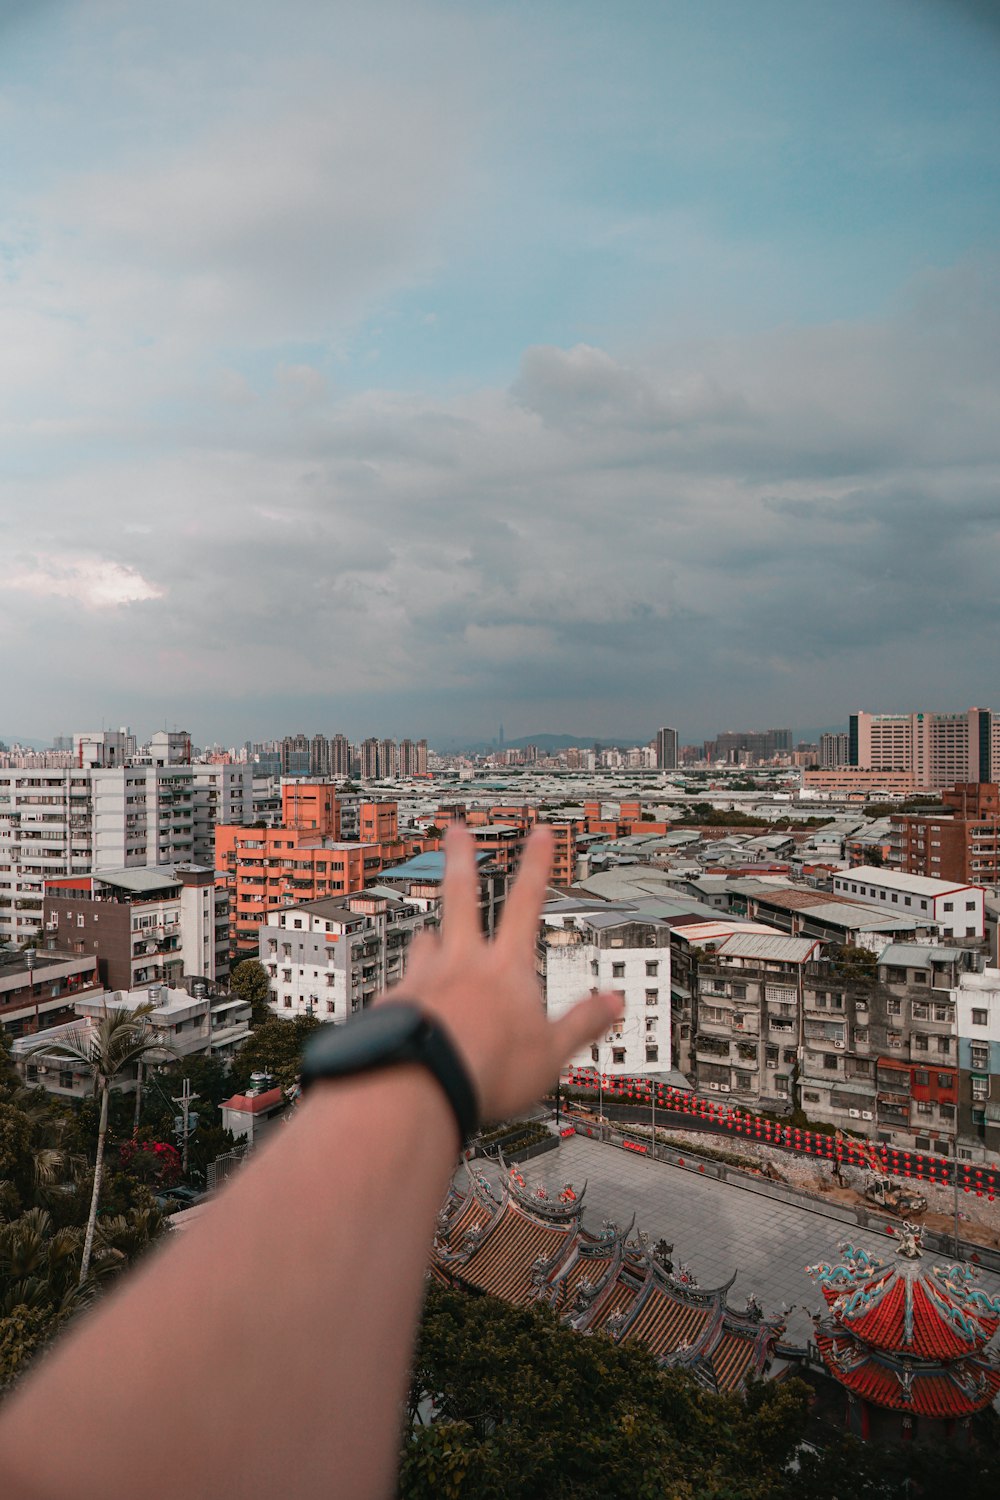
x=330, y=958
x=419, y=880
x=609, y=946
x=748, y=1016
x=195, y=1022
x=143, y=926
x=69, y=822
x=38, y=987
x=834, y=751
x=976, y=998
x=956, y=909
x=959, y=842
x=302, y=858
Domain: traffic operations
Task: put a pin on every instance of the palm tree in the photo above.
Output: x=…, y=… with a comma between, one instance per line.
x=105, y=1047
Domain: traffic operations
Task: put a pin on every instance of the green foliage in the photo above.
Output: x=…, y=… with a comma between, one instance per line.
x=526, y=1406
x=23, y=1333
x=250, y=980
x=276, y=1048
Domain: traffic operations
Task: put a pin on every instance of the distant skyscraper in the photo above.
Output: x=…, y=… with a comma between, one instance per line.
x=666, y=749
x=500, y=740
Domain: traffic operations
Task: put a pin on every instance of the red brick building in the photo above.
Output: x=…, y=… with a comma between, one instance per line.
x=960, y=843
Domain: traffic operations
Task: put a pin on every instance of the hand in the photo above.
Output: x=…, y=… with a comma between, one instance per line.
x=487, y=993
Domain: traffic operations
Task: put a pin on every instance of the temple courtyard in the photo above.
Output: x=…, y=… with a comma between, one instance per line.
x=716, y=1228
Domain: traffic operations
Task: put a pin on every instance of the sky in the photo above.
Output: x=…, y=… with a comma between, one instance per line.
x=408, y=368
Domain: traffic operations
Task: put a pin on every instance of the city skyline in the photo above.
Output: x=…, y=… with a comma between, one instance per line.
x=457, y=364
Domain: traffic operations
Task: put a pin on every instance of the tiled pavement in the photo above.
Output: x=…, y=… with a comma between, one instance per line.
x=715, y=1227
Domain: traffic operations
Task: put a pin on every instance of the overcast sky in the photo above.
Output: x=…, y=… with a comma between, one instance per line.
x=402, y=369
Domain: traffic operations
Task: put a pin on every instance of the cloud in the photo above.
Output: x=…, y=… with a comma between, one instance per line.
x=96, y=583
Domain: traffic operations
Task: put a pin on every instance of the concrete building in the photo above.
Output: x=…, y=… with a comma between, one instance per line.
x=749, y=1016
x=330, y=958
x=38, y=988
x=143, y=926
x=957, y=910
x=610, y=946
x=195, y=1023
x=69, y=822
x=976, y=998
x=958, y=842
x=666, y=749
x=939, y=749
x=834, y=750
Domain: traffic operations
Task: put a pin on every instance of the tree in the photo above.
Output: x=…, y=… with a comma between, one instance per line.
x=121, y=1037
x=250, y=980
x=275, y=1048
x=509, y=1400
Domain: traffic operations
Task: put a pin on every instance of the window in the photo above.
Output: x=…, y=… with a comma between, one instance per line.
x=980, y=1017
x=830, y=1061
x=970, y=932
x=810, y=1098
x=297, y=922
x=595, y=967
x=595, y=1053
x=652, y=968
x=970, y=906
x=894, y=1038
x=617, y=971
x=947, y=1110
x=894, y=1007
x=652, y=1054
x=947, y=905
x=944, y=1045
x=980, y=1087
x=980, y=1059
x=921, y=1043
x=652, y=997
x=739, y=991
x=650, y=1023
x=920, y=976
x=618, y=1054
x=286, y=975
x=771, y=1053
x=945, y=1081
x=288, y=1002
x=66, y=1078
x=920, y=1010
x=921, y=1078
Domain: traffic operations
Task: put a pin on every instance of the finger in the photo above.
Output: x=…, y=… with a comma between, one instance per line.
x=460, y=887
x=424, y=948
x=527, y=897
x=584, y=1023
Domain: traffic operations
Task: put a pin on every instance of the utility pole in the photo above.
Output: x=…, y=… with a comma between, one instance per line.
x=184, y=1131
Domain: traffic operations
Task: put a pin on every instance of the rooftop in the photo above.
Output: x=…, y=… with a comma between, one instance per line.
x=895, y=880
x=781, y=949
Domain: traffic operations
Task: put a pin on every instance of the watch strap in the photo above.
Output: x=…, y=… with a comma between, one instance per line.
x=438, y=1052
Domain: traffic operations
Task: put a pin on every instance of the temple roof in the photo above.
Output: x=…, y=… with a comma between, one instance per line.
x=520, y=1244
x=927, y=1389
x=907, y=1304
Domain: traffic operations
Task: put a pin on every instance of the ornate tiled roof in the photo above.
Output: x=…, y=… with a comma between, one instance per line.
x=907, y=1304
x=522, y=1245
x=923, y=1388
x=906, y=1334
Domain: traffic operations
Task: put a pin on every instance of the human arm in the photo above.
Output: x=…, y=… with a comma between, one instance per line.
x=270, y=1344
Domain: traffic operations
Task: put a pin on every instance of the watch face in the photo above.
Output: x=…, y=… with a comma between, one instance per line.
x=382, y=1034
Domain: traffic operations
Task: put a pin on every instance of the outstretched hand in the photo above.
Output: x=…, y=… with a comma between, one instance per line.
x=487, y=993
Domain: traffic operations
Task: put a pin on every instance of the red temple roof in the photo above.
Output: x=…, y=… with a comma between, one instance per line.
x=909, y=1305
x=957, y=1389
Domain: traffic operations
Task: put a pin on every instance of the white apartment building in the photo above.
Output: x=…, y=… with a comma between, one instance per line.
x=198, y=1023
x=330, y=958
x=609, y=946
x=87, y=818
x=958, y=910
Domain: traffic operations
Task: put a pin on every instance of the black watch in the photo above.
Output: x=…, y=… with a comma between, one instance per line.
x=396, y=1031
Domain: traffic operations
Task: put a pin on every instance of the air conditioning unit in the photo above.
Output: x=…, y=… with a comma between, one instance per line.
x=723, y=1088
x=866, y=1114
x=855, y=1114
x=839, y=1045
x=714, y=1087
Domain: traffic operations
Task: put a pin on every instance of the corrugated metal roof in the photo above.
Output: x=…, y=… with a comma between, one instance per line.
x=918, y=955
x=794, y=950
x=895, y=880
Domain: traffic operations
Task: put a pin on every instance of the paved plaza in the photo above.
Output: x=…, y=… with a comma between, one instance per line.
x=716, y=1227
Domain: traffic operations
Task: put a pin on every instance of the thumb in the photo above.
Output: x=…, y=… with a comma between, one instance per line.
x=585, y=1022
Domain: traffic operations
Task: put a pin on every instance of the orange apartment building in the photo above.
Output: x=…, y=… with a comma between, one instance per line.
x=303, y=859
x=629, y=820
